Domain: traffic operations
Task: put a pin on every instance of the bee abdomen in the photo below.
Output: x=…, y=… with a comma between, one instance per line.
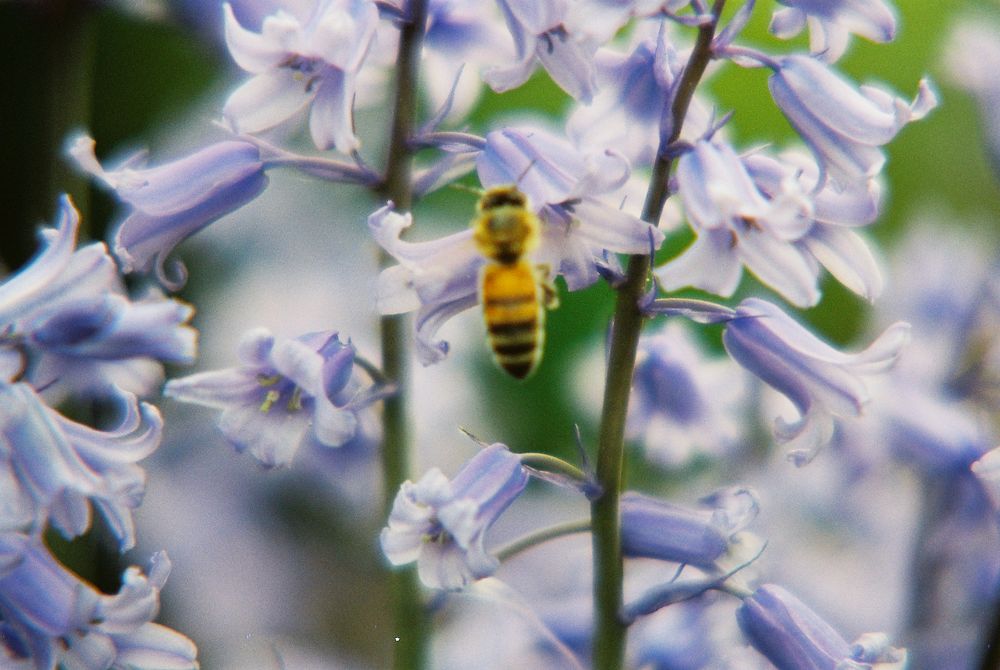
x=513, y=316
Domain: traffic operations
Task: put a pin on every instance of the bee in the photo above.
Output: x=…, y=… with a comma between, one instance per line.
x=512, y=290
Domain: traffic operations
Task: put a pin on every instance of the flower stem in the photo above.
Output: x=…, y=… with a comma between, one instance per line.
x=410, y=628
x=539, y=536
x=609, y=627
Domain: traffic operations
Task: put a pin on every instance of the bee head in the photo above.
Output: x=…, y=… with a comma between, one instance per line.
x=502, y=196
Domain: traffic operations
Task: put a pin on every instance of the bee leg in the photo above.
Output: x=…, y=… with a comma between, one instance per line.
x=550, y=296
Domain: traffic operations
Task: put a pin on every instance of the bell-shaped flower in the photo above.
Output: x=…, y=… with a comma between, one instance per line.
x=51, y=618
x=831, y=23
x=297, y=63
x=635, y=87
x=654, y=528
x=461, y=34
x=683, y=403
x=836, y=215
x=820, y=381
x=539, y=29
x=54, y=464
x=845, y=126
x=579, y=230
x=737, y=225
x=67, y=318
x=794, y=637
x=172, y=202
x=285, y=394
x=441, y=524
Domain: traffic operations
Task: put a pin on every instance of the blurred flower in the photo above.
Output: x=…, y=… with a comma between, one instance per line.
x=684, y=404
x=540, y=33
x=737, y=225
x=460, y=34
x=298, y=64
x=654, y=528
x=52, y=465
x=972, y=55
x=68, y=327
x=843, y=125
x=635, y=87
x=285, y=394
x=832, y=23
x=171, y=202
x=793, y=637
x=820, y=381
x=51, y=618
x=441, y=524
x=834, y=213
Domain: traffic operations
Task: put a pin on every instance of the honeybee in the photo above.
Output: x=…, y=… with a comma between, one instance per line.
x=512, y=290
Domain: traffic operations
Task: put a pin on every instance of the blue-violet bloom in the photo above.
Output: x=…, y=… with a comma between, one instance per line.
x=69, y=327
x=285, y=394
x=794, y=637
x=51, y=465
x=654, y=528
x=737, y=225
x=441, y=524
x=836, y=214
x=51, y=618
x=171, y=202
x=845, y=126
x=540, y=34
x=295, y=64
x=635, y=87
x=832, y=22
x=820, y=381
x=683, y=404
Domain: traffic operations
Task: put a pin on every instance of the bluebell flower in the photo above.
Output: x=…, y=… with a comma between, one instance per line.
x=51, y=618
x=286, y=393
x=836, y=214
x=737, y=225
x=460, y=34
x=831, y=23
x=441, y=524
x=171, y=202
x=683, y=403
x=654, y=528
x=628, y=111
x=579, y=227
x=52, y=466
x=820, y=381
x=539, y=29
x=794, y=637
x=845, y=126
x=297, y=63
x=69, y=327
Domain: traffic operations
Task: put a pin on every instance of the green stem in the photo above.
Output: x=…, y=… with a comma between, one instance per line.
x=555, y=465
x=609, y=628
x=539, y=536
x=409, y=614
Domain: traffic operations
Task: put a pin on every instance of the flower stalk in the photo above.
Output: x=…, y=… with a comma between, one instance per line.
x=409, y=615
x=610, y=628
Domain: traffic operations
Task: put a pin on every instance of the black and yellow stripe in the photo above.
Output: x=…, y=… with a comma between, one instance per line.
x=514, y=316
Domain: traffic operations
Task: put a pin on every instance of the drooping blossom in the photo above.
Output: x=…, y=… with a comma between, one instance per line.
x=299, y=63
x=441, y=523
x=831, y=23
x=171, y=202
x=287, y=393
